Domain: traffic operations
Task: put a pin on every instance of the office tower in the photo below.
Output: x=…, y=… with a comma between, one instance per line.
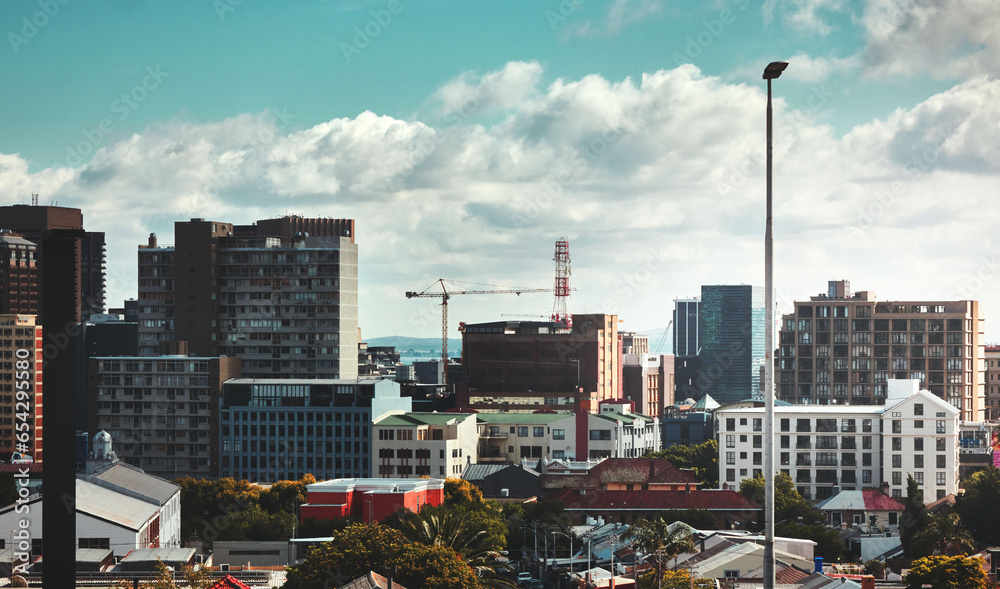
x=18, y=275
x=686, y=344
x=648, y=381
x=93, y=269
x=161, y=412
x=529, y=365
x=842, y=348
x=281, y=294
x=20, y=388
x=283, y=429
x=731, y=335
x=102, y=335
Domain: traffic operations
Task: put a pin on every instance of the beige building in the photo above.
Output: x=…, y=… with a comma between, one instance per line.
x=842, y=348
x=20, y=383
x=992, y=383
x=418, y=445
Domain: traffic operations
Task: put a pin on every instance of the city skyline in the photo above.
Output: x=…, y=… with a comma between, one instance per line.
x=466, y=138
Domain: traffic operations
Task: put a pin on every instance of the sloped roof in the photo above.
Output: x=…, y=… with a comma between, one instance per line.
x=516, y=418
x=479, y=472
x=713, y=499
x=229, y=582
x=635, y=470
x=372, y=580
x=112, y=506
x=706, y=403
x=866, y=500
x=413, y=419
x=942, y=505
x=131, y=480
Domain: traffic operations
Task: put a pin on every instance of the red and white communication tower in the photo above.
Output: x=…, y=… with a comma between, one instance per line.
x=560, y=306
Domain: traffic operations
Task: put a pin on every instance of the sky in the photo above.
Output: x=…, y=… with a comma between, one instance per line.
x=467, y=136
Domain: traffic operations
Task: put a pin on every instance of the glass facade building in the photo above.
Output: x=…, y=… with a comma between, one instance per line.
x=731, y=333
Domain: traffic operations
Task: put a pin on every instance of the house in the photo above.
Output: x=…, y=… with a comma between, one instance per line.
x=623, y=474
x=502, y=481
x=729, y=508
x=372, y=580
x=369, y=500
x=869, y=510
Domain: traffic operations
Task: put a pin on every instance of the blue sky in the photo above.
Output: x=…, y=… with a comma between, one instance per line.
x=467, y=136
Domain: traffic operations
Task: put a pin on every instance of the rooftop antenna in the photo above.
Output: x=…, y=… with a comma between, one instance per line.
x=34, y=199
x=560, y=306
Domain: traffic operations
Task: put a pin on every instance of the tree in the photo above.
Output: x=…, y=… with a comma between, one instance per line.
x=653, y=537
x=942, y=534
x=702, y=459
x=360, y=548
x=207, y=507
x=696, y=518
x=352, y=553
x=788, y=503
x=947, y=572
x=828, y=542
x=875, y=568
x=460, y=492
x=978, y=506
x=914, y=516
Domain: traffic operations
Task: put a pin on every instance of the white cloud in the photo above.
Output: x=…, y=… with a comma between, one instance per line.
x=804, y=16
x=657, y=182
x=618, y=15
x=470, y=93
x=950, y=40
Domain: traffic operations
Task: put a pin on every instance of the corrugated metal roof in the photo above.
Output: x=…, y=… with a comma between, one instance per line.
x=515, y=418
x=478, y=472
x=412, y=419
x=132, y=479
x=112, y=506
x=712, y=499
x=868, y=500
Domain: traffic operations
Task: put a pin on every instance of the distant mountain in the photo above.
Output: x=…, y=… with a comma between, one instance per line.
x=425, y=345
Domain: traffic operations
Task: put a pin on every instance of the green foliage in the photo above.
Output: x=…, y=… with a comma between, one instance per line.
x=914, y=516
x=669, y=580
x=468, y=530
x=461, y=492
x=360, y=548
x=978, y=506
x=353, y=552
x=828, y=543
x=193, y=579
x=653, y=537
x=788, y=503
x=702, y=459
x=942, y=534
x=946, y=572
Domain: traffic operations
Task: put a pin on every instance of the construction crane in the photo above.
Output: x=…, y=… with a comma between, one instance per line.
x=444, y=295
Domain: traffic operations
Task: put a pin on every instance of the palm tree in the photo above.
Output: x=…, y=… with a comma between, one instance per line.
x=654, y=537
x=943, y=534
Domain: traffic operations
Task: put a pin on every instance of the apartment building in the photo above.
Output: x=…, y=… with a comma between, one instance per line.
x=20, y=387
x=991, y=386
x=423, y=444
x=829, y=448
x=162, y=411
x=18, y=275
x=507, y=438
x=648, y=381
x=281, y=294
x=282, y=429
x=842, y=348
x=617, y=431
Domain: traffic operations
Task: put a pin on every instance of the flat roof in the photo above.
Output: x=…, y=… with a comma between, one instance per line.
x=423, y=418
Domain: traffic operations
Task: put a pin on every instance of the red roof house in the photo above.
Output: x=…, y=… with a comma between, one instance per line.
x=728, y=507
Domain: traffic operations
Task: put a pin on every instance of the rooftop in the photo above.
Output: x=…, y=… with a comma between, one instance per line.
x=413, y=419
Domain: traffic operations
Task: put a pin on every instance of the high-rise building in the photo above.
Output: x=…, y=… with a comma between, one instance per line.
x=530, y=365
x=648, y=381
x=843, y=349
x=991, y=387
x=18, y=275
x=686, y=345
x=731, y=339
x=32, y=222
x=162, y=412
x=20, y=388
x=281, y=294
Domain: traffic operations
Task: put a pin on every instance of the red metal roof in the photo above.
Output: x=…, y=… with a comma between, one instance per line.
x=708, y=499
x=229, y=582
x=879, y=501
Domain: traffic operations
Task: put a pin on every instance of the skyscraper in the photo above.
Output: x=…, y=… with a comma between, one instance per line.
x=281, y=294
x=731, y=333
x=686, y=345
x=18, y=275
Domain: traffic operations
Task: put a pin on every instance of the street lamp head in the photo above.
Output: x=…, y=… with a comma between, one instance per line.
x=774, y=69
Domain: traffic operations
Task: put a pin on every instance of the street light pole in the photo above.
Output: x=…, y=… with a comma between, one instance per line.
x=772, y=71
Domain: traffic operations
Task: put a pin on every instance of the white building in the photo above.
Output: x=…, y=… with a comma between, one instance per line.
x=508, y=438
x=826, y=449
x=618, y=432
x=423, y=444
x=118, y=508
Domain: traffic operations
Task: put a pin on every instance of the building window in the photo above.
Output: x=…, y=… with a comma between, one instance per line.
x=866, y=426
x=918, y=424
x=897, y=479
x=730, y=441
x=918, y=477
x=757, y=424
x=897, y=461
x=731, y=475
x=730, y=424
x=941, y=444
x=918, y=461
x=941, y=460
x=802, y=425
x=918, y=409
x=866, y=476
x=730, y=457
x=758, y=458
x=758, y=441
x=522, y=432
x=599, y=434
x=558, y=434
x=539, y=432
x=897, y=426
x=918, y=445
x=941, y=479
x=98, y=543
x=897, y=444
x=785, y=425
x=941, y=429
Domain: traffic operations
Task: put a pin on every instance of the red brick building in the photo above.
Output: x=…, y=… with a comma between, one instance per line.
x=369, y=500
x=729, y=508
